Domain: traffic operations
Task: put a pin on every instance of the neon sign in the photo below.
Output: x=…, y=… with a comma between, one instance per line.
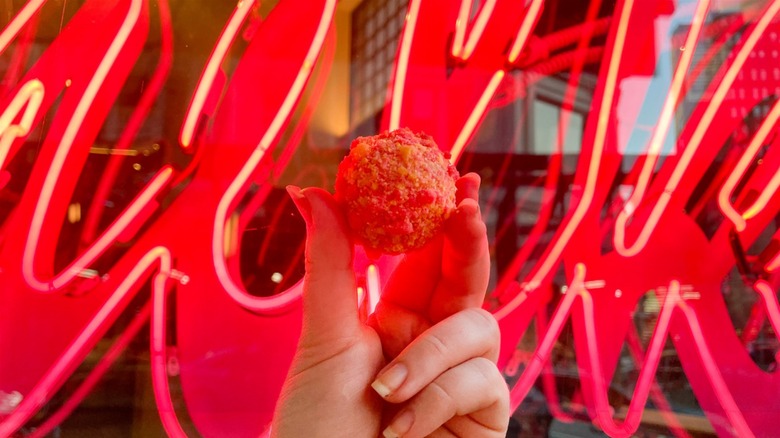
x=179, y=234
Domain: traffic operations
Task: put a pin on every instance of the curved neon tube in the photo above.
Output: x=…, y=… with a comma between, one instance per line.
x=459, y=50
x=727, y=190
x=525, y=30
x=128, y=217
x=593, y=167
x=235, y=291
x=18, y=22
x=701, y=129
x=30, y=96
x=661, y=130
x=402, y=64
x=63, y=149
x=603, y=416
x=58, y=373
x=207, y=78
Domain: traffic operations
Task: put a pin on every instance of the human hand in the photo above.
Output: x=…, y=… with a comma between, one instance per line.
x=441, y=379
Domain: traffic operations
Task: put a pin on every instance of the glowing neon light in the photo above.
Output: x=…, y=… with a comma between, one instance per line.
x=554, y=168
x=141, y=111
x=402, y=64
x=656, y=393
x=30, y=97
x=583, y=206
x=480, y=21
x=373, y=287
x=719, y=386
x=769, y=299
x=661, y=130
x=599, y=384
x=475, y=116
x=212, y=66
x=234, y=290
x=727, y=191
x=123, y=222
x=162, y=393
x=95, y=327
x=78, y=349
x=89, y=383
x=63, y=149
x=529, y=21
x=773, y=264
x=548, y=375
x=701, y=128
x=18, y=22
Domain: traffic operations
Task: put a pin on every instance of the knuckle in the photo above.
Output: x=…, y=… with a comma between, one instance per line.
x=491, y=378
x=485, y=320
x=435, y=345
x=439, y=396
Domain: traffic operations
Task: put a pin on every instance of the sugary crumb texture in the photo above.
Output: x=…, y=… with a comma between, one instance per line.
x=398, y=189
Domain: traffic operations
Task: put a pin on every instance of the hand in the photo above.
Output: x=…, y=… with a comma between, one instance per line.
x=441, y=378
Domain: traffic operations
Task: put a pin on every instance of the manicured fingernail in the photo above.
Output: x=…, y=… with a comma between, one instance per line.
x=300, y=201
x=390, y=380
x=400, y=425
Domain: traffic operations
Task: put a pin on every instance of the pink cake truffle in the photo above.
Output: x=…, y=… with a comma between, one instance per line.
x=398, y=188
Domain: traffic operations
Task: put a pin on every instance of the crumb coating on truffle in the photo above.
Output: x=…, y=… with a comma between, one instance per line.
x=398, y=189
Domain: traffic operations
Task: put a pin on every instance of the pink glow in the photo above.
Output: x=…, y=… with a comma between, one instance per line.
x=170, y=237
x=672, y=300
x=162, y=393
x=727, y=190
x=548, y=375
x=234, y=290
x=656, y=393
x=89, y=383
x=647, y=374
x=212, y=66
x=701, y=128
x=554, y=168
x=661, y=130
x=29, y=97
x=75, y=352
x=57, y=165
x=459, y=51
x=544, y=349
x=144, y=201
x=605, y=109
x=773, y=264
x=373, y=287
x=769, y=298
x=138, y=117
x=722, y=393
x=476, y=115
x=18, y=22
x=529, y=21
x=402, y=64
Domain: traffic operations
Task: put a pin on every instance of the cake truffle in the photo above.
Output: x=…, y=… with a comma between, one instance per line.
x=398, y=188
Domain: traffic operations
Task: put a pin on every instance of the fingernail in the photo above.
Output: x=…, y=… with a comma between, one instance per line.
x=300, y=201
x=400, y=425
x=390, y=380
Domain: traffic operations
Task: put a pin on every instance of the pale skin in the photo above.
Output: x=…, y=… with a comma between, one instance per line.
x=424, y=362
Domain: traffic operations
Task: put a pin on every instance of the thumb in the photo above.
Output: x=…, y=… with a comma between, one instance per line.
x=329, y=300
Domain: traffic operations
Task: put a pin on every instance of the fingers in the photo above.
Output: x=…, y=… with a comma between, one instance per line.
x=329, y=303
x=465, y=335
x=471, y=398
x=467, y=187
x=452, y=272
x=465, y=255
x=415, y=278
